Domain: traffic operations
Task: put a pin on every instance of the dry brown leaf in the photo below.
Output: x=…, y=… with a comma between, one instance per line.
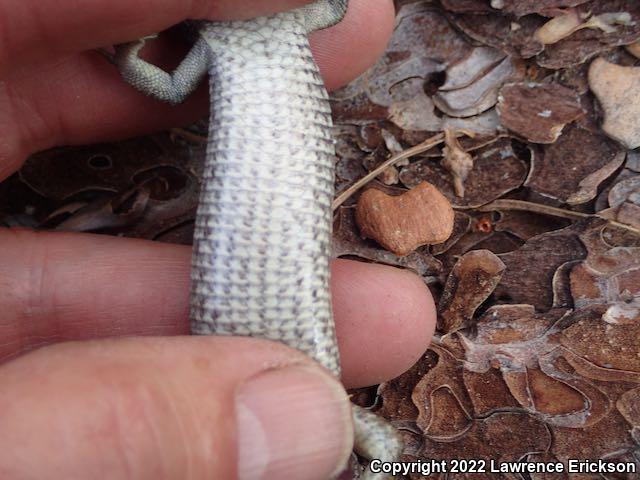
x=498, y=31
x=588, y=43
x=571, y=169
x=530, y=269
x=469, y=69
x=470, y=283
x=538, y=112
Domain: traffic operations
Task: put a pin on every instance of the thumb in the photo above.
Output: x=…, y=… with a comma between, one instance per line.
x=171, y=408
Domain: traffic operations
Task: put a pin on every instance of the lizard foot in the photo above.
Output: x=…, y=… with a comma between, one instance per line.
x=324, y=13
x=375, y=440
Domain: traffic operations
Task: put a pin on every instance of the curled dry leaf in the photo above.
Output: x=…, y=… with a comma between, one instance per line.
x=107, y=213
x=142, y=187
x=559, y=27
x=470, y=283
x=415, y=110
x=524, y=346
x=413, y=54
x=422, y=216
x=476, y=64
x=618, y=90
x=614, y=23
x=538, y=112
x=480, y=95
x=457, y=162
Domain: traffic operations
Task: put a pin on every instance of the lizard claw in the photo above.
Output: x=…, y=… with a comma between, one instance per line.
x=111, y=58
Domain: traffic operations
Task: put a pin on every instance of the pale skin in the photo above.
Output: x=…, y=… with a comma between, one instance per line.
x=76, y=404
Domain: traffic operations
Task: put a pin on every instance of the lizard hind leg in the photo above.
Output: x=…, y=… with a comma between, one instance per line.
x=324, y=13
x=375, y=439
x=172, y=87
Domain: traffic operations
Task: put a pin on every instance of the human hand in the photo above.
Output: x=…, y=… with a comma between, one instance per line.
x=158, y=407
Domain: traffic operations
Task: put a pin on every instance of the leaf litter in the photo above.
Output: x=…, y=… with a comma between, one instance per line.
x=523, y=114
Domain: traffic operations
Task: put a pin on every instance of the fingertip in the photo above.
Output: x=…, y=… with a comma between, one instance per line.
x=157, y=408
x=348, y=49
x=385, y=320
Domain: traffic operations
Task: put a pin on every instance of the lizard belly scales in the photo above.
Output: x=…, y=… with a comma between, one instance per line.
x=263, y=230
x=262, y=243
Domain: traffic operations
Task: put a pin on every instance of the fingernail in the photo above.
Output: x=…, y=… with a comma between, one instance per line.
x=293, y=422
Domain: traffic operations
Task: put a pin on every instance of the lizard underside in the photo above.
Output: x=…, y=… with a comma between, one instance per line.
x=262, y=242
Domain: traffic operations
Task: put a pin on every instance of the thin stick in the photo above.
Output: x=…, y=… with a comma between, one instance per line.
x=418, y=149
x=553, y=211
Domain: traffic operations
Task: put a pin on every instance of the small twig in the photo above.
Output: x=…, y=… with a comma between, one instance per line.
x=553, y=211
x=418, y=149
x=187, y=135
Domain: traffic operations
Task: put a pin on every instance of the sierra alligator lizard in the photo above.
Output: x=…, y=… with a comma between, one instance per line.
x=262, y=244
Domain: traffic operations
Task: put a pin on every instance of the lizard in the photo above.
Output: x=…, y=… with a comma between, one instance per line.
x=262, y=240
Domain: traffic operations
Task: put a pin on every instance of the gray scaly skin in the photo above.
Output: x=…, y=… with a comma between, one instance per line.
x=260, y=263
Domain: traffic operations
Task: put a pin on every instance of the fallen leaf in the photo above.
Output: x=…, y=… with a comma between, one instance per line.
x=585, y=44
x=570, y=22
x=540, y=257
x=571, y=169
x=480, y=95
x=469, y=284
x=611, y=279
x=498, y=31
x=478, y=62
x=538, y=112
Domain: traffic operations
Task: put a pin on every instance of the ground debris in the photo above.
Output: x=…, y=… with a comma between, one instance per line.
x=538, y=112
x=572, y=168
x=496, y=171
x=456, y=161
x=470, y=283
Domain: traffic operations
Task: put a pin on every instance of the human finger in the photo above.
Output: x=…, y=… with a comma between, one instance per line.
x=159, y=408
x=56, y=287
x=84, y=100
